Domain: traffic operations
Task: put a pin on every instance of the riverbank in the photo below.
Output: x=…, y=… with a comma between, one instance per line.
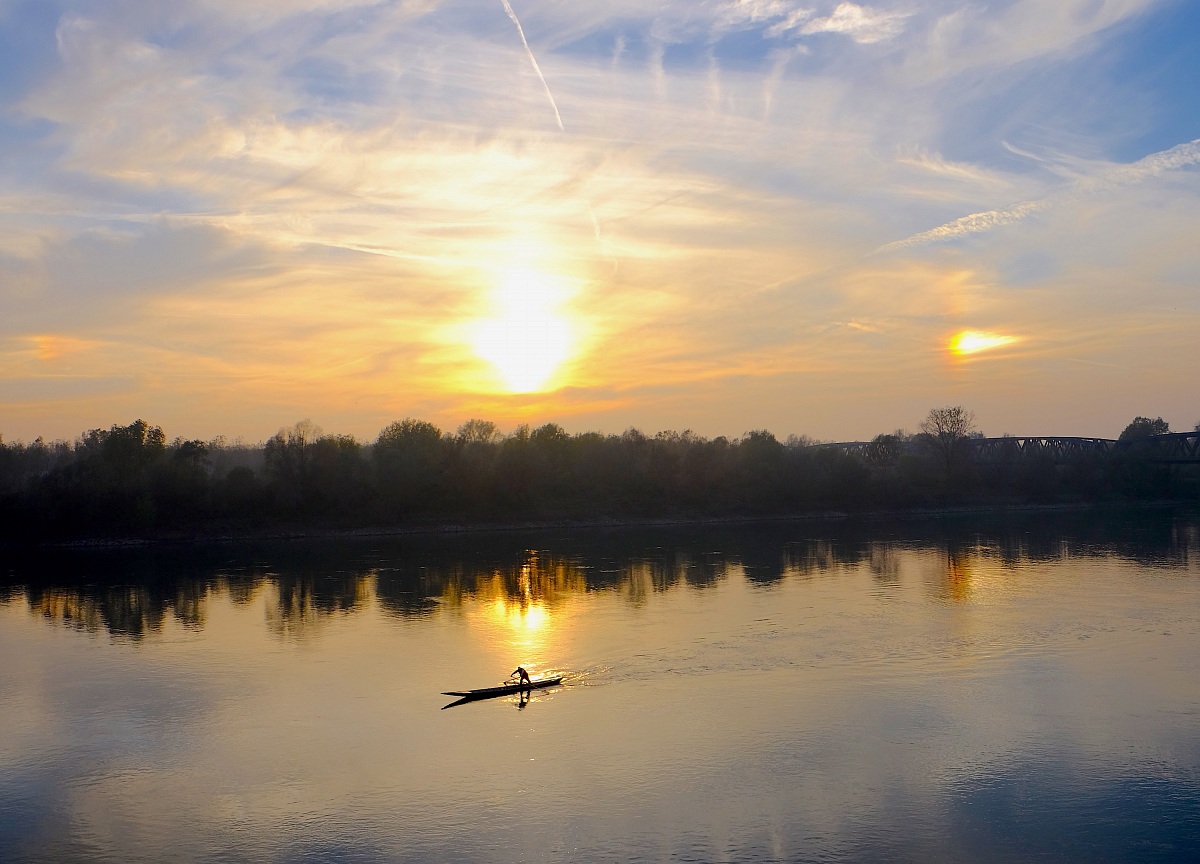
x=278, y=533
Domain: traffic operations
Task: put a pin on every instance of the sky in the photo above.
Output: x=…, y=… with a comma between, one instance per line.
x=814, y=217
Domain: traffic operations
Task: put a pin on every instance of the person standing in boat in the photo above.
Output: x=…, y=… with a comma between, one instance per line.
x=524, y=679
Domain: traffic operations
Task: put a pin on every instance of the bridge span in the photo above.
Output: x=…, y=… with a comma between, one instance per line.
x=1175, y=448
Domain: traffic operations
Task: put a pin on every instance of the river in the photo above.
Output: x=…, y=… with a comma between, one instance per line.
x=980, y=688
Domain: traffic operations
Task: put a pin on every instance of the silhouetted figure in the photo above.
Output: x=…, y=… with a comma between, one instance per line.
x=524, y=679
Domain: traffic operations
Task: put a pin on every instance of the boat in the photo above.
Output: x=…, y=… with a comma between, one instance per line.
x=504, y=689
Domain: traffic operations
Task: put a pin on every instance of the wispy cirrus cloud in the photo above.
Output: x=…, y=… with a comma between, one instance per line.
x=862, y=24
x=1106, y=180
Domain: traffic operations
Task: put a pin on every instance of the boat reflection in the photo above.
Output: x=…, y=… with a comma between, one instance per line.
x=522, y=700
x=523, y=692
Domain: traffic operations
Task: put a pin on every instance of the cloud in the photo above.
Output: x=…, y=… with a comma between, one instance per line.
x=786, y=15
x=1106, y=180
x=974, y=223
x=782, y=18
x=938, y=165
x=266, y=13
x=739, y=12
x=300, y=202
x=859, y=23
x=956, y=37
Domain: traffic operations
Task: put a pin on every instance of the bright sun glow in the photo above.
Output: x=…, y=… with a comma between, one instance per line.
x=974, y=341
x=517, y=628
x=521, y=618
x=528, y=338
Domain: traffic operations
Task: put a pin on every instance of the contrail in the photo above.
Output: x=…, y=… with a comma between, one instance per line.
x=1179, y=156
x=536, y=68
x=972, y=224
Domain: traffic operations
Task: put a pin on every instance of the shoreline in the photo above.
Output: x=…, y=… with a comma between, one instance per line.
x=452, y=528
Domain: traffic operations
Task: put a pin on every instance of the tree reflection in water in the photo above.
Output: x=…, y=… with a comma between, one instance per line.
x=131, y=593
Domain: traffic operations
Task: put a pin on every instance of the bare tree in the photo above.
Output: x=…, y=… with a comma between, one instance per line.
x=476, y=431
x=287, y=459
x=946, y=429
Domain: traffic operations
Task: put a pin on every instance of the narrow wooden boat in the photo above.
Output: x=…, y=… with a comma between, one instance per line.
x=505, y=689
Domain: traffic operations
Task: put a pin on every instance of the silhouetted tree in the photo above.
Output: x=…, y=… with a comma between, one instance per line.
x=761, y=463
x=288, y=456
x=468, y=481
x=515, y=470
x=181, y=483
x=129, y=450
x=597, y=472
x=410, y=462
x=337, y=477
x=409, y=435
x=884, y=450
x=1137, y=475
x=476, y=431
x=241, y=495
x=945, y=431
x=108, y=484
x=1144, y=427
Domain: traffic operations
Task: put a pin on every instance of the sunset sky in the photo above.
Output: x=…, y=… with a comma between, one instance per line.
x=810, y=216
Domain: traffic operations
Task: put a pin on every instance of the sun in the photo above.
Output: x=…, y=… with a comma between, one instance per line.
x=529, y=337
x=974, y=341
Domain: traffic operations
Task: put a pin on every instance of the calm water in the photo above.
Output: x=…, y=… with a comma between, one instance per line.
x=984, y=690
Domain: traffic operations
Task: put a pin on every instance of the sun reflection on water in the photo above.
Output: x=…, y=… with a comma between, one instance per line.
x=522, y=614
x=974, y=575
x=521, y=617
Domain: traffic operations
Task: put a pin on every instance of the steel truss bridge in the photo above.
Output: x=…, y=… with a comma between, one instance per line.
x=1176, y=448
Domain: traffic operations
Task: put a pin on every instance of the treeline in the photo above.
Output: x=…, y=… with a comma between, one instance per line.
x=131, y=481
